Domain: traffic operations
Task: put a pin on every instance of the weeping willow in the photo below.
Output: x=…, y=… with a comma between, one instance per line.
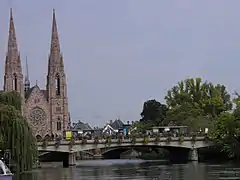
x=15, y=132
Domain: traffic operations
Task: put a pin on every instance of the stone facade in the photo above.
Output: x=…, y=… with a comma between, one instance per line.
x=46, y=110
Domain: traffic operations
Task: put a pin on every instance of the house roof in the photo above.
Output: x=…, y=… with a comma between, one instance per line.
x=117, y=124
x=81, y=126
x=108, y=126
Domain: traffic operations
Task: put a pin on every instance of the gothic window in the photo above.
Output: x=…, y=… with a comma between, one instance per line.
x=57, y=84
x=15, y=82
x=37, y=115
x=59, y=124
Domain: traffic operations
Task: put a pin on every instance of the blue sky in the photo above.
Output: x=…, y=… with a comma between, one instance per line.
x=119, y=54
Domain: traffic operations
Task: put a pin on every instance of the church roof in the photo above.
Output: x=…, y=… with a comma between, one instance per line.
x=28, y=93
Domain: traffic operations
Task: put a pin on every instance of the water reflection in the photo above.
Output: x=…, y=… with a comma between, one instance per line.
x=135, y=170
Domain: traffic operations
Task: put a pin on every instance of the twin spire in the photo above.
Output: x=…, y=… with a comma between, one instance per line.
x=55, y=45
x=13, y=61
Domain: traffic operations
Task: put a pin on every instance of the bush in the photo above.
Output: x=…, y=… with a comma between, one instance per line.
x=181, y=139
x=145, y=139
x=133, y=139
x=108, y=140
x=169, y=138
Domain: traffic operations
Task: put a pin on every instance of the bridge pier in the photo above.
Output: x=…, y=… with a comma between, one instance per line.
x=193, y=154
x=69, y=160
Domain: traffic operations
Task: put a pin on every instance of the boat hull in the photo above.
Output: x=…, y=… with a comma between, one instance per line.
x=6, y=177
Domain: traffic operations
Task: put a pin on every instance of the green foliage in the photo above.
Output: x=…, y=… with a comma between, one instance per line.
x=108, y=141
x=133, y=139
x=196, y=103
x=226, y=131
x=168, y=140
x=15, y=132
x=153, y=112
x=181, y=139
x=145, y=139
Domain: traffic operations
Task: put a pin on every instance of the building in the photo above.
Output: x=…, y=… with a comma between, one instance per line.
x=116, y=127
x=81, y=128
x=45, y=109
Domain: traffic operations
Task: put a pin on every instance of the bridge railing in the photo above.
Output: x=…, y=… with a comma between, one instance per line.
x=137, y=140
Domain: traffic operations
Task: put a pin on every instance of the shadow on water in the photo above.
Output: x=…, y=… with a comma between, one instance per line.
x=135, y=170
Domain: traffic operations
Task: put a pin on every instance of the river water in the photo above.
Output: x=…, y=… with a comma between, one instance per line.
x=134, y=170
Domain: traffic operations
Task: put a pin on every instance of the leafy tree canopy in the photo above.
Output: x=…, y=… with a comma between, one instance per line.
x=15, y=133
x=153, y=112
x=193, y=100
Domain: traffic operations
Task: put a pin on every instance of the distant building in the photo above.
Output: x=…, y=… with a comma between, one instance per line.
x=116, y=127
x=82, y=128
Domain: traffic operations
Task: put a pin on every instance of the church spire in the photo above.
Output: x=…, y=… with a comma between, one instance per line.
x=27, y=81
x=12, y=40
x=12, y=56
x=55, y=45
x=13, y=77
x=13, y=70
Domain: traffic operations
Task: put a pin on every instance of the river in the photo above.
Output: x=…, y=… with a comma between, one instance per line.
x=134, y=170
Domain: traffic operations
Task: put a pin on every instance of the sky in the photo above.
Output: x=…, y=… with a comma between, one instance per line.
x=118, y=54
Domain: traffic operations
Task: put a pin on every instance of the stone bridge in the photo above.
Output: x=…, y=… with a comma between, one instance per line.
x=176, y=146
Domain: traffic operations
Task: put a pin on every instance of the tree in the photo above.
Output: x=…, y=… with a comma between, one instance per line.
x=226, y=132
x=15, y=131
x=153, y=112
x=194, y=99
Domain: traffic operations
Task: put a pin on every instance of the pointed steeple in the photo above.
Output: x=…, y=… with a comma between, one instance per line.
x=27, y=81
x=55, y=45
x=13, y=78
x=12, y=40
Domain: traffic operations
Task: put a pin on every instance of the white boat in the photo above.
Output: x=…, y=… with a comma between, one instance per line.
x=5, y=173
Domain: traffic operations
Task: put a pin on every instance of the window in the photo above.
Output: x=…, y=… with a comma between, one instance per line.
x=59, y=124
x=58, y=109
x=57, y=84
x=15, y=82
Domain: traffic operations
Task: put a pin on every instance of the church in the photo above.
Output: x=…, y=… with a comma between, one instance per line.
x=45, y=109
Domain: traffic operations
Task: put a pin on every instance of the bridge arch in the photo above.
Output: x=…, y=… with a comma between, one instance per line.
x=174, y=153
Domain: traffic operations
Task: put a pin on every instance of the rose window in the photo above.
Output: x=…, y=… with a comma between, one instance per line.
x=37, y=115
